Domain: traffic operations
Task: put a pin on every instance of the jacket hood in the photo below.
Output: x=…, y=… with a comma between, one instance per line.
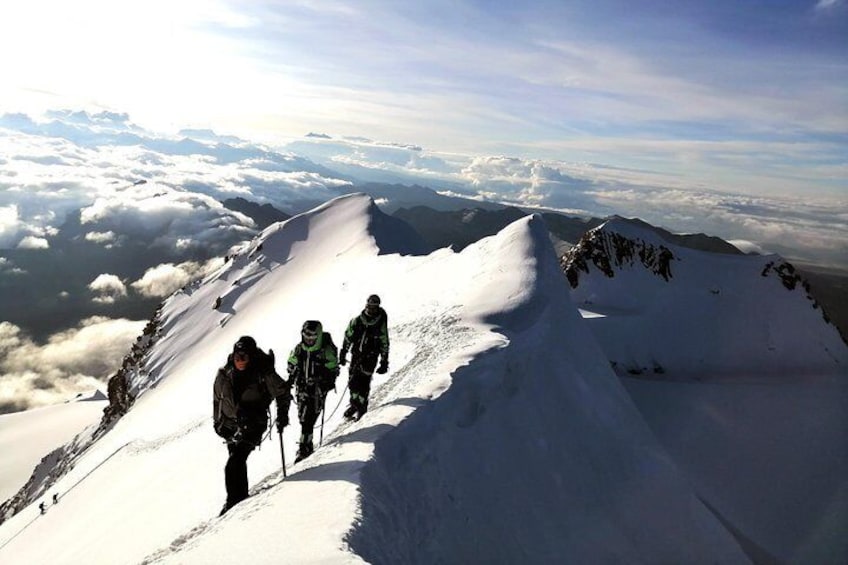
x=369, y=320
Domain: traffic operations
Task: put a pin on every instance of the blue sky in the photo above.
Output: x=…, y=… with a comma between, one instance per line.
x=741, y=96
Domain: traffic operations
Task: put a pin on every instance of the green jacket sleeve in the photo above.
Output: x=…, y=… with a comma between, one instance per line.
x=293, y=364
x=348, y=335
x=331, y=356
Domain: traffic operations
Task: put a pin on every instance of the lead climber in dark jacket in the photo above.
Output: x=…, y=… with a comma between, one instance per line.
x=367, y=338
x=242, y=394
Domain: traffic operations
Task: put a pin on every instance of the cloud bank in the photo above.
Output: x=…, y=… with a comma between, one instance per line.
x=129, y=183
x=165, y=279
x=803, y=229
x=71, y=362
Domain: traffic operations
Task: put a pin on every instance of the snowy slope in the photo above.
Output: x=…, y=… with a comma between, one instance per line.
x=666, y=311
x=770, y=457
x=26, y=437
x=739, y=376
x=500, y=433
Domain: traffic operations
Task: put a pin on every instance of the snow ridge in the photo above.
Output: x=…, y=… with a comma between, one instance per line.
x=539, y=411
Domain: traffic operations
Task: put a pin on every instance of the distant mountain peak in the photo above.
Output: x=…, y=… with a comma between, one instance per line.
x=699, y=241
x=697, y=314
x=613, y=245
x=94, y=395
x=263, y=214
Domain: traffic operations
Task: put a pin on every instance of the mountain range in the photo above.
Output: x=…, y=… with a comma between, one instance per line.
x=634, y=401
x=102, y=219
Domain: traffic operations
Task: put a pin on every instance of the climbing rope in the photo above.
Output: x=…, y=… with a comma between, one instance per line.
x=72, y=487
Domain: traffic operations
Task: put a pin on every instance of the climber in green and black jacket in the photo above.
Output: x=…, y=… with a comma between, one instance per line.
x=367, y=339
x=313, y=367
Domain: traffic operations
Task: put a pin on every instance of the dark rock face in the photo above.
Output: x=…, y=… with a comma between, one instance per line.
x=830, y=287
x=119, y=397
x=461, y=228
x=457, y=229
x=264, y=215
x=785, y=271
x=119, y=386
x=606, y=250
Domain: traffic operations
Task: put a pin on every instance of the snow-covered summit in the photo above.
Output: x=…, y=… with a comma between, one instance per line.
x=499, y=435
x=662, y=309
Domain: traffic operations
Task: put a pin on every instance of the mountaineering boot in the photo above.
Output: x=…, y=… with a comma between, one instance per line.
x=229, y=504
x=304, y=451
x=350, y=413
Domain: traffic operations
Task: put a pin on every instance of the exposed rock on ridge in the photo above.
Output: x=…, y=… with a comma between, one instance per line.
x=606, y=250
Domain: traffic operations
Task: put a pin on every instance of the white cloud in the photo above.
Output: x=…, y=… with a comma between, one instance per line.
x=746, y=246
x=9, y=223
x=105, y=238
x=98, y=173
x=8, y=267
x=177, y=207
x=71, y=362
x=165, y=279
x=823, y=5
x=107, y=288
x=167, y=217
x=32, y=242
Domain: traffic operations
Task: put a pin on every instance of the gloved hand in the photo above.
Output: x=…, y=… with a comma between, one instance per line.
x=327, y=384
x=343, y=357
x=282, y=421
x=384, y=366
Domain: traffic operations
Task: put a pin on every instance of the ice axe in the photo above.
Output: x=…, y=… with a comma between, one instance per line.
x=283, y=453
x=323, y=405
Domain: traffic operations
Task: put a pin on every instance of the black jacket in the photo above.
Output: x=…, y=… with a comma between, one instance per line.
x=367, y=338
x=241, y=398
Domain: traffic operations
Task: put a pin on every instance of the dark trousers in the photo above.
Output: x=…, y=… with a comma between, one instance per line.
x=359, y=382
x=309, y=404
x=235, y=472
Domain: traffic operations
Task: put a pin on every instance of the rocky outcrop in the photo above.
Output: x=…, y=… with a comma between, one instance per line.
x=607, y=250
x=119, y=387
x=785, y=271
x=791, y=279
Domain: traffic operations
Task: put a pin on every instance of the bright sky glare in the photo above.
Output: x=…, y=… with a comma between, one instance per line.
x=743, y=96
